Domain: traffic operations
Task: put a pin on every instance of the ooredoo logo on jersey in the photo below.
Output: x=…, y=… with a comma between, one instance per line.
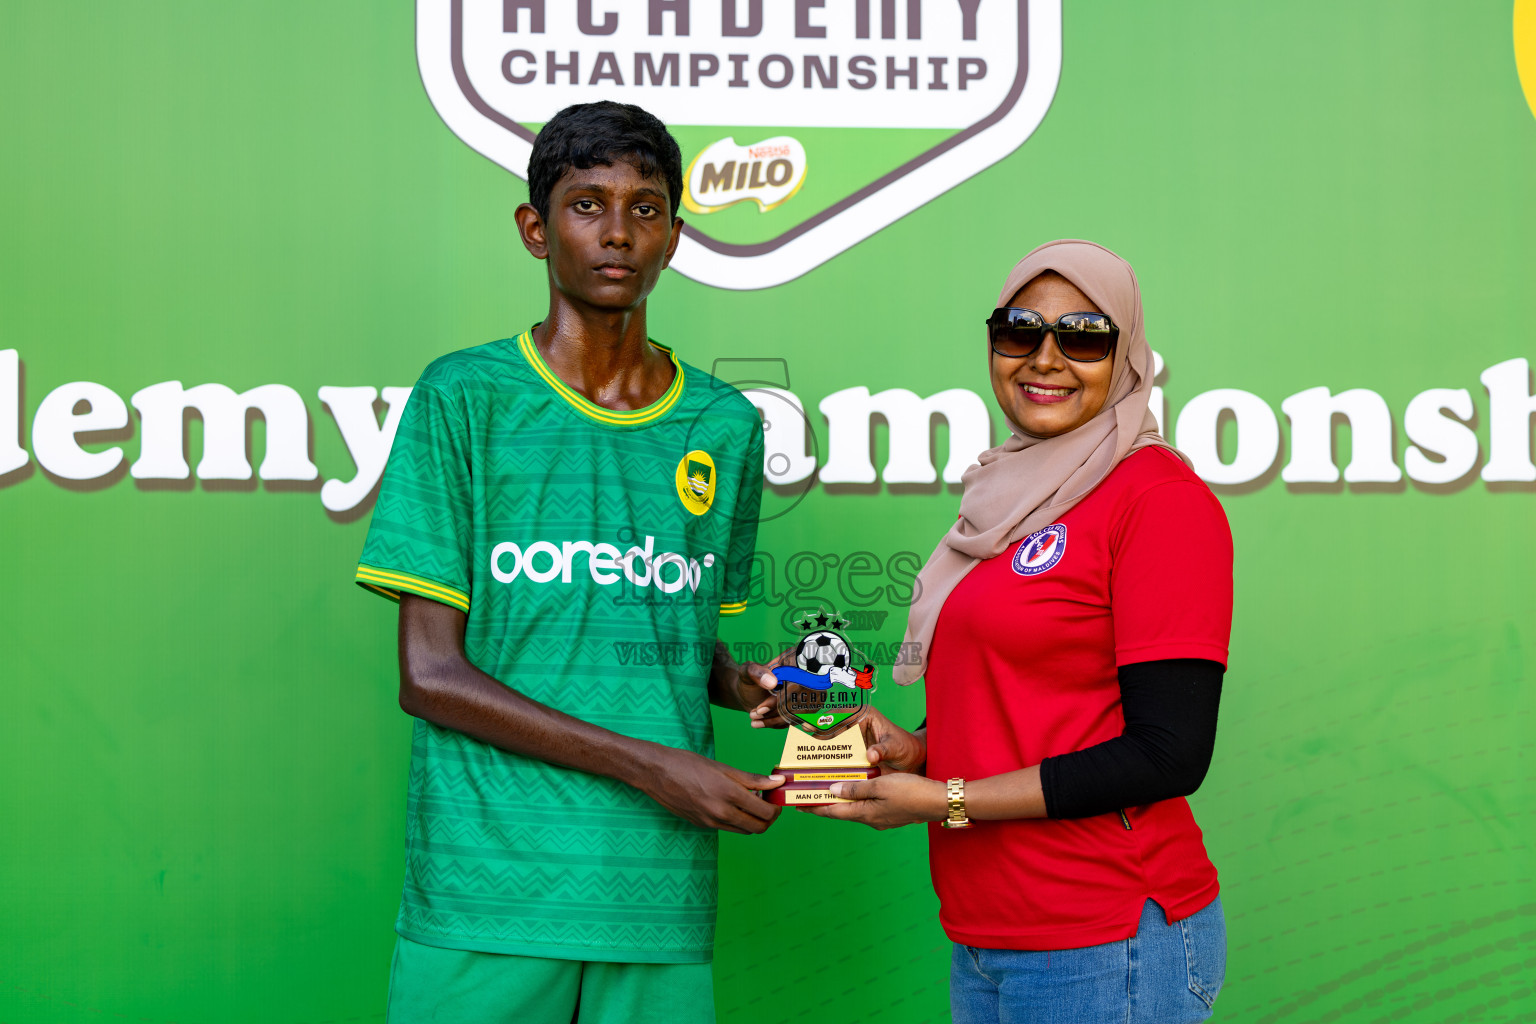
x=806, y=125
x=544, y=561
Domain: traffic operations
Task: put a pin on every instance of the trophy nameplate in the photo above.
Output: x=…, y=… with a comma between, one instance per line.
x=825, y=701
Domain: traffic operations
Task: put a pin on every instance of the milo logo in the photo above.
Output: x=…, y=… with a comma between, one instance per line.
x=724, y=174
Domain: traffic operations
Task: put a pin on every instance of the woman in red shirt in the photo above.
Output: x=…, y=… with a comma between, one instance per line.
x=1072, y=628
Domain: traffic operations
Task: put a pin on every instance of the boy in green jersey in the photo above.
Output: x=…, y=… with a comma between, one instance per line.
x=563, y=519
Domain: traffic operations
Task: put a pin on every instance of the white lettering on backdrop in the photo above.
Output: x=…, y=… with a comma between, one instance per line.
x=1441, y=446
x=163, y=408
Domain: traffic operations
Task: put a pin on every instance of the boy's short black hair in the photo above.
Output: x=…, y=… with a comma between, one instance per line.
x=588, y=134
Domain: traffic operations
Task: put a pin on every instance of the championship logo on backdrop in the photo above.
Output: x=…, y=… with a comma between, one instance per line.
x=806, y=125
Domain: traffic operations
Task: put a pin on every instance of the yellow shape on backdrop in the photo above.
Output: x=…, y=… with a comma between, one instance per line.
x=1525, y=48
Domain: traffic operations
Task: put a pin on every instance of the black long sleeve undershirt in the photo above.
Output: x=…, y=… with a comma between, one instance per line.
x=1170, y=731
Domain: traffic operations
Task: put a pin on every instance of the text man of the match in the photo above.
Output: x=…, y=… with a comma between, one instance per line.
x=551, y=501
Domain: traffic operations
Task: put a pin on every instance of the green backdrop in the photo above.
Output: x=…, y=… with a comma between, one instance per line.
x=204, y=764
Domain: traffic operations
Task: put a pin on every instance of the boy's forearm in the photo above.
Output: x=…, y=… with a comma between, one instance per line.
x=439, y=684
x=462, y=698
x=729, y=686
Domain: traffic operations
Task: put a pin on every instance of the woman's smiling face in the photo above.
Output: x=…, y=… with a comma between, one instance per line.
x=1046, y=393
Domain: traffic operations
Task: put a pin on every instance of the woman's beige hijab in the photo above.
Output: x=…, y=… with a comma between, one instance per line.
x=1029, y=482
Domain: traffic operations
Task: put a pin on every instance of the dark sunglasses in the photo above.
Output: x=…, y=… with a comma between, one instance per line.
x=1082, y=337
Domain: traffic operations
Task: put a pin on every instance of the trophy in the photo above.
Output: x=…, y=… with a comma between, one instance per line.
x=825, y=702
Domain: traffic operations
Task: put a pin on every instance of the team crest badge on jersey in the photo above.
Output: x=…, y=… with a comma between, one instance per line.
x=696, y=482
x=1041, y=550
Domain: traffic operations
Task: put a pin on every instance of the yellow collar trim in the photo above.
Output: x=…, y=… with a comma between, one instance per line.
x=590, y=409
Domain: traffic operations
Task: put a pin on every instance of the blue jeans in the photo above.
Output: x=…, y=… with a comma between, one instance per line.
x=1164, y=974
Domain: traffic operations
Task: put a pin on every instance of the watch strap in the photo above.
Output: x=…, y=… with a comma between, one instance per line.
x=955, y=791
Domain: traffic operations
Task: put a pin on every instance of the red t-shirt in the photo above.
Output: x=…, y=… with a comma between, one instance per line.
x=1023, y=667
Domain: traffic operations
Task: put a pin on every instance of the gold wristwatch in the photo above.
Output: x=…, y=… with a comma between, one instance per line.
x=957, y=818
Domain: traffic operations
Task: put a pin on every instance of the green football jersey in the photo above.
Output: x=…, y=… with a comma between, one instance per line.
x=594, y=551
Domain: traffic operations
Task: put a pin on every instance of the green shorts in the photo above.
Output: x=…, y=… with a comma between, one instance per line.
x=456, y=986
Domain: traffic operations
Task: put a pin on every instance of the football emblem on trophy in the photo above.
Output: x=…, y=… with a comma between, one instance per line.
x=823, y=657
x=820, y=653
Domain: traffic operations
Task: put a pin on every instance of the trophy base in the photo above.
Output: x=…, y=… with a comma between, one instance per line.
x=805, y=786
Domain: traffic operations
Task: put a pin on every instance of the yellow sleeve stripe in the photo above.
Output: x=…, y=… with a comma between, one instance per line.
x=735, y=608
x=393, y=595
x=388, y=580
